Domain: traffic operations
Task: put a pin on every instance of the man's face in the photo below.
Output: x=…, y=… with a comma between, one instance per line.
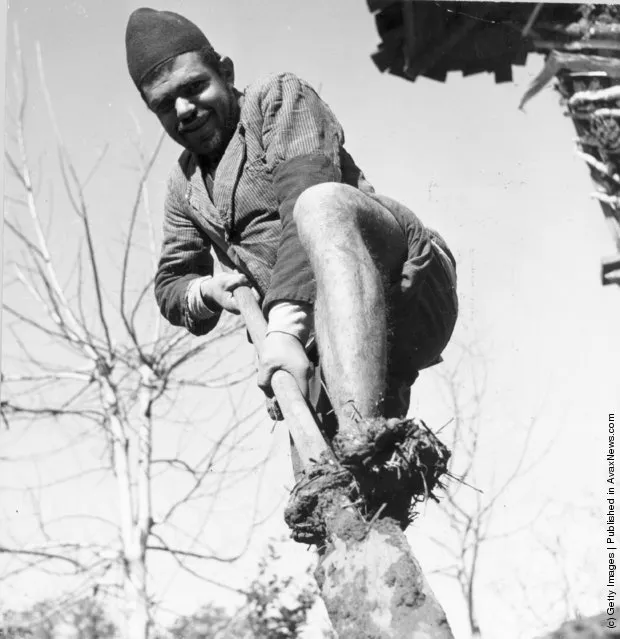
x=195, y=103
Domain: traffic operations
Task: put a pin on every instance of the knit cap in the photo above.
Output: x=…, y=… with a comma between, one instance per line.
x=153, y=37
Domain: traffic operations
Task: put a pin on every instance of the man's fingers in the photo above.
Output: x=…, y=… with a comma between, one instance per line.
x=302, y=377
x=231, y=304
x=281, y=351
x=235, y=280
x=273, y=408
x=239, y=279
x=263, y=380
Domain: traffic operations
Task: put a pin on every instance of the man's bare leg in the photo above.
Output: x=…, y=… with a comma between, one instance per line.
x=355, y=247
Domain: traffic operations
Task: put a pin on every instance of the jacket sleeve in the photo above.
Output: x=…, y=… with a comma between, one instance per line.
x=302, y=140
x=185, y=256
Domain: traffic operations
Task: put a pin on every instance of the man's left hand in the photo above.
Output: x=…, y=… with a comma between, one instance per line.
x=282, y=351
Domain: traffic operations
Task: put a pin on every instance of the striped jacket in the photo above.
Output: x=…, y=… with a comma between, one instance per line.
x=287, y=139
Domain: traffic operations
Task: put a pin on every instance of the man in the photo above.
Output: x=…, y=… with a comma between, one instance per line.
x=265, y=184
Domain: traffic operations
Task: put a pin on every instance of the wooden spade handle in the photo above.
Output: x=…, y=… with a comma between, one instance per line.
x=304, y=430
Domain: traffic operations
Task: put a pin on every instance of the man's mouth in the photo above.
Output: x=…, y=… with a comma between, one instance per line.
x=194, y=125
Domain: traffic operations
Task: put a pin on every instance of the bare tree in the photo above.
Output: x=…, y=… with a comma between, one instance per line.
x=471, y=502
x=93, y=359
x=568, y=586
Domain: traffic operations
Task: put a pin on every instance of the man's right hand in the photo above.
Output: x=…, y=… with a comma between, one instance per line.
x=281, y=351
x=217, y=291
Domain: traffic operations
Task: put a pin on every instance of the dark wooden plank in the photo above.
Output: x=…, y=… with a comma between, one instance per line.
x=425, y=62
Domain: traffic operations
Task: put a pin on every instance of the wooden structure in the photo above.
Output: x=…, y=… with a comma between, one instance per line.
x=581, y=44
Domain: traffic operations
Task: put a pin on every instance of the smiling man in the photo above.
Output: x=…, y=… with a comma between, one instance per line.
x=265, y=186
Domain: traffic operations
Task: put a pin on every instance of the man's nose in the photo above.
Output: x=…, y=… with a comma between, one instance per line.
x=184, y=108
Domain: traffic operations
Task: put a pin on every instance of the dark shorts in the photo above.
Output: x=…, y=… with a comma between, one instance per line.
x=420, y=328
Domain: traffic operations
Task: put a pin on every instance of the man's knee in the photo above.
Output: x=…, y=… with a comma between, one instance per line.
x=340, y=216
x=329, y=204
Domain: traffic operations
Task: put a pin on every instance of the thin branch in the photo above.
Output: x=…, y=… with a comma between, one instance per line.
x=133, y=216
x=81, y=205
x=177, y=462
x=15, y=169
x=138, y=303
x=82, y=377
x=193, y=555
x=39, y=553
x=96, y=165
x=175, y=555
x=211, y=457
x=30, y=245
x=49, y=412
x=51, y=279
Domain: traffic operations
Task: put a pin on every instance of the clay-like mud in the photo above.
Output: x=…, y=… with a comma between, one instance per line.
x=371, y=583
x=314, y=497
x=373, y=588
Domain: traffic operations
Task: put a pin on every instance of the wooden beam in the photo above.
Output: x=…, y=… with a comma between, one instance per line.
x=585, y=45
x=531, y=20
x=377, y=5
x=432, y=56
x=610, y=270
x=410, y=40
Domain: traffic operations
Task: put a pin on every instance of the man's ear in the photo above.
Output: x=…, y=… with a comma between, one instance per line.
x=227, y=70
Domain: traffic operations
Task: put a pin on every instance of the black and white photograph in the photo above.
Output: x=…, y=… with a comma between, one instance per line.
x=310, y=319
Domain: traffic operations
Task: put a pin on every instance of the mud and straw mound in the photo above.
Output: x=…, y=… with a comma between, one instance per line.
x=386, y=467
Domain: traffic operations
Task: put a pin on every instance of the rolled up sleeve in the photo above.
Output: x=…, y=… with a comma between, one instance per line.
x=185, y=256
x=302, y=140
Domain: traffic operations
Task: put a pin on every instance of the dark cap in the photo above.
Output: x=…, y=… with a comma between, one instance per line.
x=153, y=37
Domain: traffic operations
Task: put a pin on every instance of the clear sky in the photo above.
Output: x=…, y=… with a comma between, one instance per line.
x=505, y=189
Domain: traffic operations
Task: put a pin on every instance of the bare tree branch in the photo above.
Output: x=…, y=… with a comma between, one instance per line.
x=46, y=555
x=469, y=514
x=134, y=212
x=96, y=165
x=79, y=205
x=31, y=246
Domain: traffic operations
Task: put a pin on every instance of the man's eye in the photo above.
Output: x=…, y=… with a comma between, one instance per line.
x=164, y=106
x=194, y=87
